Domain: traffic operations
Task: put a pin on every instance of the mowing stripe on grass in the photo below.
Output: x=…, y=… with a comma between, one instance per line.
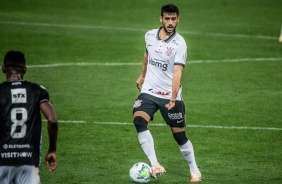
x=194, y=126
x=129, y=64
x=133, y=29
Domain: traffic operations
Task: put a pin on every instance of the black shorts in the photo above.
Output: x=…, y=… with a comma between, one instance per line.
x=175, y=117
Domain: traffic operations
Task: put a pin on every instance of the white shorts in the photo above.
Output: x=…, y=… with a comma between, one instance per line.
x=19, y=174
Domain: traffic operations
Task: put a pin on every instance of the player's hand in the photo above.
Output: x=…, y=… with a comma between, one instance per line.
x=139, y=82
x=170, y=105
x=51, y=161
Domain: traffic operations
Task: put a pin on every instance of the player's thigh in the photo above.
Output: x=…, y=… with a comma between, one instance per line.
x=27, y=174
x=6, y=174
x=142, y=114
x=145, y=105
x=174, y=117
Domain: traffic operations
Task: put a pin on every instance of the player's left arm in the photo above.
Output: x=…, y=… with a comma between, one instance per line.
x=176, y=82
x=49, y=112
x=179, y=64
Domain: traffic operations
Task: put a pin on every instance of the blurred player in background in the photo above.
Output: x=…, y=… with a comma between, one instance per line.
x=21, y=104
x=164, y=60
x=280, y=38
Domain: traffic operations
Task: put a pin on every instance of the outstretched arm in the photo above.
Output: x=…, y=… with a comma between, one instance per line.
x=50, y=114
x=141, y=78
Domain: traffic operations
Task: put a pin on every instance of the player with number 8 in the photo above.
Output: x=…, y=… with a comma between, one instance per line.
x=21, y=105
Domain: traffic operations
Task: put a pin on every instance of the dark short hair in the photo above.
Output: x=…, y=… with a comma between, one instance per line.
x=169, y=8
x=14, y=59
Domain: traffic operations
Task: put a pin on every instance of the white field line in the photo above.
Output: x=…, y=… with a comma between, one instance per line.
x=234, y=60
x=129, y=64
x=194, y=126
x=81, y=64
x=132, y=29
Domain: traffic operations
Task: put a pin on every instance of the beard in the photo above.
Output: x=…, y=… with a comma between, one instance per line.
x=169, y=30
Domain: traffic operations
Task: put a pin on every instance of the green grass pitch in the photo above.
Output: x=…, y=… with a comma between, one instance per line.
x=88, y=55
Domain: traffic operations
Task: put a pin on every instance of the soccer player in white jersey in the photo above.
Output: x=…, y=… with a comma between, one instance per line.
x=21, y=105
x=160, y=86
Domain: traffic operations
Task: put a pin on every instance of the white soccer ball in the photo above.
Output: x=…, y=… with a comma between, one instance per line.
x=140, y=173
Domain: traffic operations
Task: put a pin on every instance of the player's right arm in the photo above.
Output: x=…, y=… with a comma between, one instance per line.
x=142, y=75
x=49, y=112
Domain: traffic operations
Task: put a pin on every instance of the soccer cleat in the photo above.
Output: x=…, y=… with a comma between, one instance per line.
x=195, y=177
x=157, y=170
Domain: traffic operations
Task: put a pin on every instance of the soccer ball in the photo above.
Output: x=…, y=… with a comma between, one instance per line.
x=140, y=173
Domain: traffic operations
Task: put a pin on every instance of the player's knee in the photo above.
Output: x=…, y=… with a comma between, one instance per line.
x=140, y=124
x=180, y=138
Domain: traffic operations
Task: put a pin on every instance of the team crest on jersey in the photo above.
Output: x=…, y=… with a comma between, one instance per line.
x=137, y=103
x=18, y=95
x=169, y=51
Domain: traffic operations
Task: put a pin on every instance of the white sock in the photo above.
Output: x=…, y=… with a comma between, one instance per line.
x=188, y=153
x=147, y=143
